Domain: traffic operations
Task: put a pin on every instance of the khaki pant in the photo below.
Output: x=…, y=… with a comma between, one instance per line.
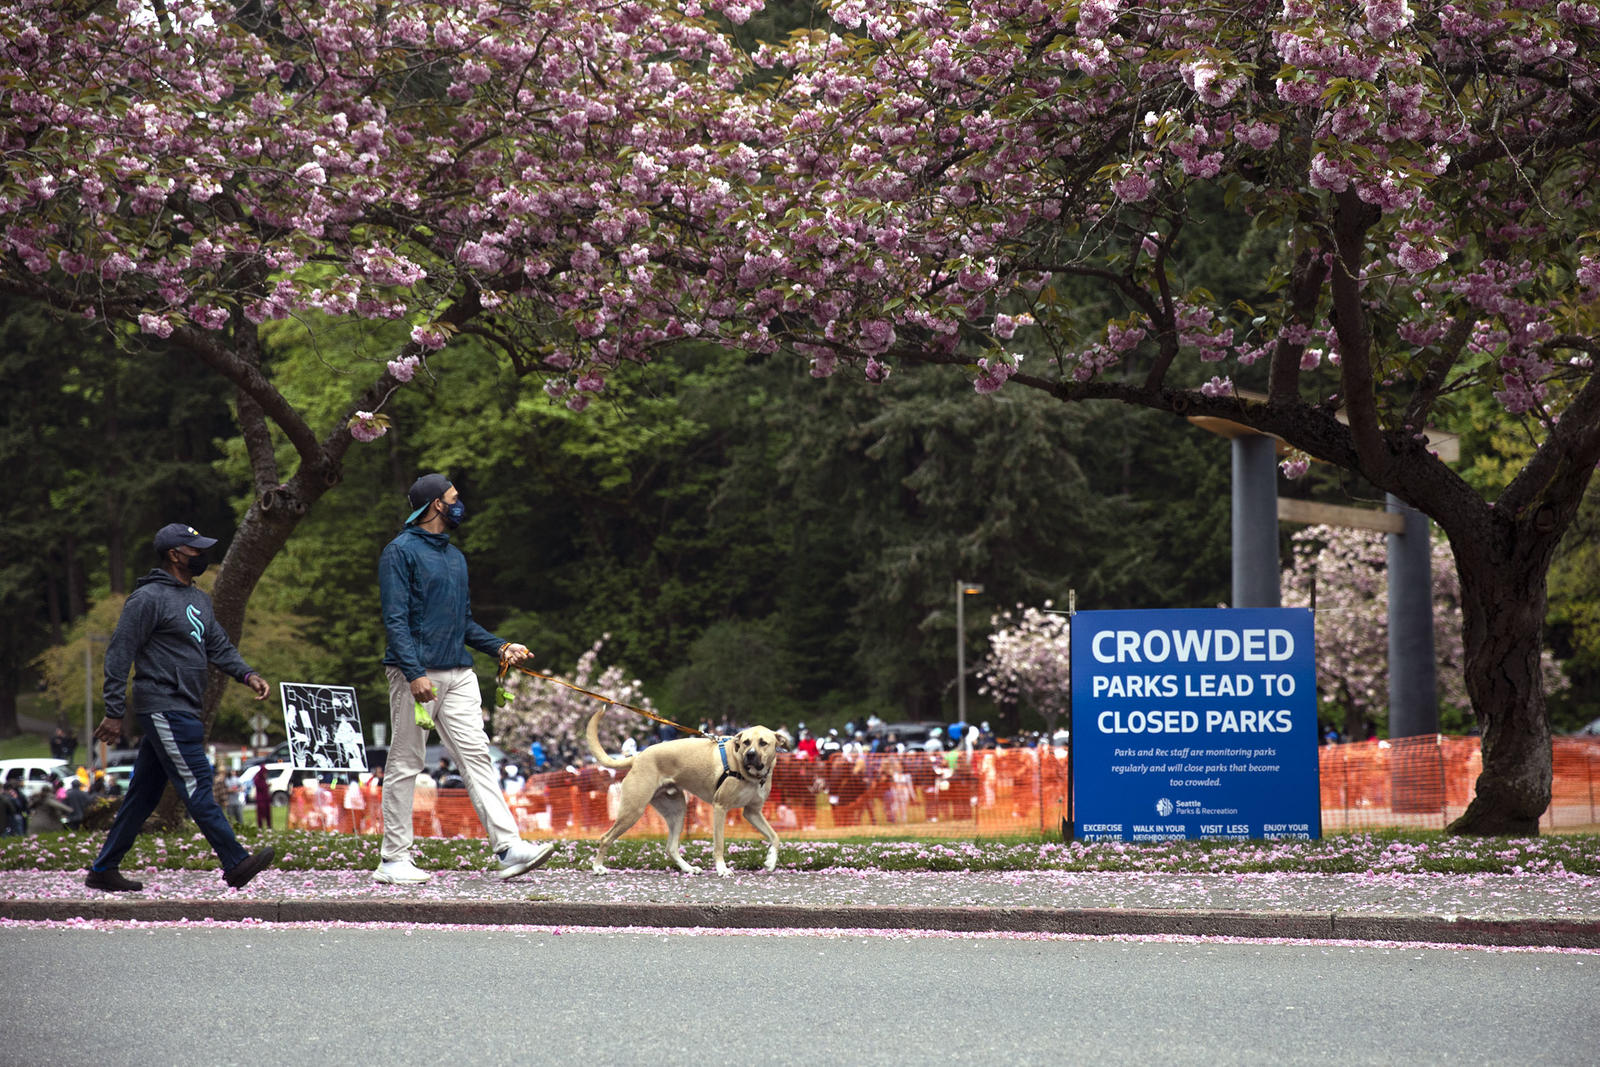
x=458, y=716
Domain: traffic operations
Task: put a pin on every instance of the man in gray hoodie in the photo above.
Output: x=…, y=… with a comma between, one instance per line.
x=167, y=631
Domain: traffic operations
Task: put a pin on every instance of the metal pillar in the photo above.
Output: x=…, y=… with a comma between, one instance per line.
x=88, y=702
x=1413, y=686
x=961, y=651
x=963, y=590
x=1255, y=522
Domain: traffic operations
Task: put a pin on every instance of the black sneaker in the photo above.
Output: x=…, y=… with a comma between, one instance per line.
x=112, y=881
x=251, y=866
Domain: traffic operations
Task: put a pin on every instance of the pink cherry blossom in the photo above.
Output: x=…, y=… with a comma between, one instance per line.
x=155, y=324
x=405, y=368
x=367, y=426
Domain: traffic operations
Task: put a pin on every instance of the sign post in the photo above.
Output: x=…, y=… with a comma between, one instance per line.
x=1194, y=724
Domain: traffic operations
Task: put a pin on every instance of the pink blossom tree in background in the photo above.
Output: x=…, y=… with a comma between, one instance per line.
x=555, y=715
x=1343, y=574
x=971, y=184
x=520, y=172
x=1030, y=662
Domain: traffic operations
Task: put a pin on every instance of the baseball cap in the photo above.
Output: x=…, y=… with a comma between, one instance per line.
x=424, y=491
x=174, y=534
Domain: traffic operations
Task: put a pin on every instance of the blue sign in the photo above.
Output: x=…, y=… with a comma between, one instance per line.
x=1194, y=724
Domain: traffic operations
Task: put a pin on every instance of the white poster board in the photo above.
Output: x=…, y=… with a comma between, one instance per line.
x=324, y=727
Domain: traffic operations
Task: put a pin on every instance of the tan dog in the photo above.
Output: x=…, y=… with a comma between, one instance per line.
x=727, y=773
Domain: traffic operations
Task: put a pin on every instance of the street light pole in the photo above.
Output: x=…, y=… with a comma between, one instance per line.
x=88, y=696
x=963, y=590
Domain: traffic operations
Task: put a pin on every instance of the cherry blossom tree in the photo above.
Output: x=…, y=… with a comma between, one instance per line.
x=1343, y=574
x=554, y=714
x=581, y=183
x=971, y=184
x=518, y=172
x=1030, y=661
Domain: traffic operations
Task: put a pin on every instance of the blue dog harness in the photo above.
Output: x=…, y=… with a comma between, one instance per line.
x=727, y=768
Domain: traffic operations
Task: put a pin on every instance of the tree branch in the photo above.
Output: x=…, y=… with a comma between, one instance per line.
x=337, y=442
x=207, y=347
x=1352, y=219
x=252, y=420
x=1433, y=379
x=1167, y=350
x=1306, y=279
x=1561, y=468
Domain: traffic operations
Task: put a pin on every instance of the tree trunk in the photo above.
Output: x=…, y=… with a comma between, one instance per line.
x=1355, y=718
x=8, y=708
x=116, y=563
x=52, y=599
x=77, y=598
x=1502, y=608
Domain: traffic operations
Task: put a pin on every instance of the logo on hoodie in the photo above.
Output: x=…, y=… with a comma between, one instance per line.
x=192, y=613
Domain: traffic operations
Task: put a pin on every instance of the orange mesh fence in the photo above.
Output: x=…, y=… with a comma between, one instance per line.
x=1415, y=782
x=1428, y=781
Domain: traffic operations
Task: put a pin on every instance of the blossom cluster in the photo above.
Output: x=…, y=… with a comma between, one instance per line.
x=612, y=179
x=554, y=712
x=1030, y=660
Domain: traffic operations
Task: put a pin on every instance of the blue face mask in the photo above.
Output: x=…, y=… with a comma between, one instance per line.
x=454, y=513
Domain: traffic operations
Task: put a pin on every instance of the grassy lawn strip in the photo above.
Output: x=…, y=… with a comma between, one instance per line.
x=1345, y=853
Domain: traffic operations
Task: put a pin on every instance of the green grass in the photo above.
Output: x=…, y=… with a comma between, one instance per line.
x=25, y=746
x=1349, y=853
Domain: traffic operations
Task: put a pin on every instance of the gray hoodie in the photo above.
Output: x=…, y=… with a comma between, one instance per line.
x=168, y=632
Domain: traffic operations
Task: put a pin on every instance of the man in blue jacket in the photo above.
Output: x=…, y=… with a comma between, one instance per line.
x=168, y=633
x=427, y=616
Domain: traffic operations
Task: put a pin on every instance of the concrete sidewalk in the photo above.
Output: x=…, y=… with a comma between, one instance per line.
x=1560, y=909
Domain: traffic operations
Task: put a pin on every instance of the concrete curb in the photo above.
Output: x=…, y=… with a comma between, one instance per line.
x=1308, y=925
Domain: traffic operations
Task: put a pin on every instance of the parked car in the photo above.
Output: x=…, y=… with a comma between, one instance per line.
x=282, y=754
x=34, y=773
x=122, y=773
x=282, y=777
x=912, y=734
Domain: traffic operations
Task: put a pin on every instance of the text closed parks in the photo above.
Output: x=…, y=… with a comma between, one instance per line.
x=1194, y=724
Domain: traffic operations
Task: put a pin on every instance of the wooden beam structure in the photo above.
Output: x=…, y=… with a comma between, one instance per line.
x=1314, y=514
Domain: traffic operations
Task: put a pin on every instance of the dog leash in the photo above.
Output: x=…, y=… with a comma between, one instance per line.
x=503, y=696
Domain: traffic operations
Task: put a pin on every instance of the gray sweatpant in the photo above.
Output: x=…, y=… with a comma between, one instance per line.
x=458, y=716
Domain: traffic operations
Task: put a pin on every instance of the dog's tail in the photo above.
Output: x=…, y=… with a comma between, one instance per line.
x=591, y=733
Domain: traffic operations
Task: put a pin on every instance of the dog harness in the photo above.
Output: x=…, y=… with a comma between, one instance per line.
x=727, y=768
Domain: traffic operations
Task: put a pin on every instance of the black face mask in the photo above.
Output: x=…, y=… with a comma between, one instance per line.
x=196, y=565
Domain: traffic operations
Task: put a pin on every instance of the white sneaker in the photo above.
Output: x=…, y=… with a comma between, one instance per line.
x=522, y=857
x=400, y=872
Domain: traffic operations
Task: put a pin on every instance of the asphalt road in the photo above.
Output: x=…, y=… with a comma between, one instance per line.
x=271, y=995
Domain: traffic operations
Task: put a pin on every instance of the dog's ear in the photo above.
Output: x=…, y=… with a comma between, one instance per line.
x=785, y=743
